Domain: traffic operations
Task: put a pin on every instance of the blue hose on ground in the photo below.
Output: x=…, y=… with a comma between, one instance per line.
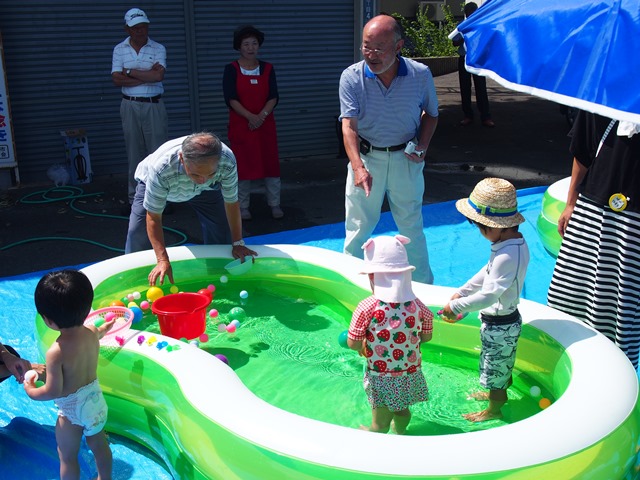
x=74, y=193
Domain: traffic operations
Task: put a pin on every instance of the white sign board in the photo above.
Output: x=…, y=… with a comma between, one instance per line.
x=7, y=154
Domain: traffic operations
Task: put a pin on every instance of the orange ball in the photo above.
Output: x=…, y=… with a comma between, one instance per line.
x=117, y=303
x=544, y=403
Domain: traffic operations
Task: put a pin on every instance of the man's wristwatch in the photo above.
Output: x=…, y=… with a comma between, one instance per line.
x=128, y=72
x=238, y=243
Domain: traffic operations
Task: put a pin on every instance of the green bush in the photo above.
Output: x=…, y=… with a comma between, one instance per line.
x=424, y=38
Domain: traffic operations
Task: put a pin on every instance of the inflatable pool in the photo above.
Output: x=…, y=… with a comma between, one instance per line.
x=553, y=203
x=205, y=423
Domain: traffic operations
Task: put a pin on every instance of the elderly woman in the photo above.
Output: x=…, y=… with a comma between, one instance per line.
x=251, y=93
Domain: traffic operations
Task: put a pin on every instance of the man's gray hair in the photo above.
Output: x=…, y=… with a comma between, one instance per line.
x=201, y=147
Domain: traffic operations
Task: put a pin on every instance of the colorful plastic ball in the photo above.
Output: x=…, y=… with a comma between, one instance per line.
x=222, y=358
x=224, y=279
x=222, y=328
x=130, y=297
x=211, y=288
x=32, y=376
x=244, y=294
x=194, y=342
x=99, y=322
x=213, y=313
x=132, y=304
x=109, y=316
x=205, y=292
x=231, y=328
x=137, y=313
x=535, y=391
x=117, y=303
x=144, y=305
x=342, y=339
x=154, y=293
x=235, y=322
x=183, y=339
x=237, y=313
x=204, y=338
x=544, y=403
x=174, y=289
x=136, y=295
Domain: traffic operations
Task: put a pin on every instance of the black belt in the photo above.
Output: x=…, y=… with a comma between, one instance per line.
x=366, y=146
x=143, y=99
x=501, y=319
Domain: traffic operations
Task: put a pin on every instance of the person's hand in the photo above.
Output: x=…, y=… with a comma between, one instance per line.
x=362, y=179
x=447, y=314
x=157, y=66
x=241, y=251
x=17, y=366
x=255, y=121
x=161, y=271
x=455, y=296
x=563, y=221
x=105, y=327
x=414, y=157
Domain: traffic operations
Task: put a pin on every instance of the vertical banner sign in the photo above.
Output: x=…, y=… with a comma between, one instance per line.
x=7, y=154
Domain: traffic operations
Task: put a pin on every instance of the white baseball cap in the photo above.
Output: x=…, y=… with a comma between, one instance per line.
x=134, y=17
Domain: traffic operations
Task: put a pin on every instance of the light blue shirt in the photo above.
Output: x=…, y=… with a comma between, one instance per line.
x=388, y=116
x=166, y=180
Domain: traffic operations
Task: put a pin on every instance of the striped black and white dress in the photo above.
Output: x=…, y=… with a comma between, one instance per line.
x=597, y=273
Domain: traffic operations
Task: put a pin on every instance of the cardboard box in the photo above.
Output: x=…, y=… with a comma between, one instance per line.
x=76, y=146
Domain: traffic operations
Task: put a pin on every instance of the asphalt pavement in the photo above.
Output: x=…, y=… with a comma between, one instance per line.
x=43, y=229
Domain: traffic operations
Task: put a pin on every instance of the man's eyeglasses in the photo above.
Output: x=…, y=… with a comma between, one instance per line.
x=377, y=51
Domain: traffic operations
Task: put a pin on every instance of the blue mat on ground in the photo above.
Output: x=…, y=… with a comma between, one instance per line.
x=457, y=251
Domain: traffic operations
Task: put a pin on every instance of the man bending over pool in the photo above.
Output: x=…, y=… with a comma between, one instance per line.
x=197, y=169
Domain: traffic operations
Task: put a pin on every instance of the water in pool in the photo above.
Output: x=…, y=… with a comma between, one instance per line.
x=287, y=352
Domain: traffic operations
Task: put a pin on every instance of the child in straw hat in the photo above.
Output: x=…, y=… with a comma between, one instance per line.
x=495, y=289
x=387, y=328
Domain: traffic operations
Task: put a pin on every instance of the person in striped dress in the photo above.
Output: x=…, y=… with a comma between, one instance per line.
x=597, y=274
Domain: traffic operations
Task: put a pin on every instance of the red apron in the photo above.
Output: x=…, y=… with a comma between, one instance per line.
x=256, y=151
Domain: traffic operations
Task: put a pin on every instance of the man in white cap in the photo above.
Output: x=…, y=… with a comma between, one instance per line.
x=138, y=67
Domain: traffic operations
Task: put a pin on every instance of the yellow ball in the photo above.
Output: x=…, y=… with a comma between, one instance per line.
x=174, y=289
x=132, y=304
x=544, y=403
x=154, y=293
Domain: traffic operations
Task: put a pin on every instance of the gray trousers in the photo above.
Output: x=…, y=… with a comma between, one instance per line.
x=145, y=127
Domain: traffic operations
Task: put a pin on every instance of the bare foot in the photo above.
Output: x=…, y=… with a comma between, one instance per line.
x=478, y=396
x=482, y=416
x=394, y=428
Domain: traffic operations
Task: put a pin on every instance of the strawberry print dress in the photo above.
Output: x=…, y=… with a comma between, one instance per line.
x=392, y=331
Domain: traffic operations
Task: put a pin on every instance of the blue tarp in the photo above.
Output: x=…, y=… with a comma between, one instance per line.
x=27, y=440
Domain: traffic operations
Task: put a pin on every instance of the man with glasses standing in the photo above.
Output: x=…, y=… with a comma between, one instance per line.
x=138, y=67
x=389, y=112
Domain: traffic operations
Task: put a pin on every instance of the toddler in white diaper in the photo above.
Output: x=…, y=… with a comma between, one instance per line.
x=63, y=300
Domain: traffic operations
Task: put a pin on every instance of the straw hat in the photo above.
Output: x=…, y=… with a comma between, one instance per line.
x=492, y=203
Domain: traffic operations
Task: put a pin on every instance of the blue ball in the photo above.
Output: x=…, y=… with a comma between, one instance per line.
x=342, y=339
x=137, y=314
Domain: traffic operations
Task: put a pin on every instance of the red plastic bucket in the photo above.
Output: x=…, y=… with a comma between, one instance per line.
x=181, y=315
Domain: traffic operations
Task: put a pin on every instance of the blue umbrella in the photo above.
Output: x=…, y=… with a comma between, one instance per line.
x=580, y=53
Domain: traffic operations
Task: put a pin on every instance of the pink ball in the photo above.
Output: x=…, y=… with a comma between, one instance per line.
x=109, y=316
x=211, y=288
x=144, y=305
x=204, y=338
x=231, y=328
x=213, y=313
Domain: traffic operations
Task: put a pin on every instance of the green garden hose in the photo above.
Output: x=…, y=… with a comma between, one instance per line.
x=74, y=193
